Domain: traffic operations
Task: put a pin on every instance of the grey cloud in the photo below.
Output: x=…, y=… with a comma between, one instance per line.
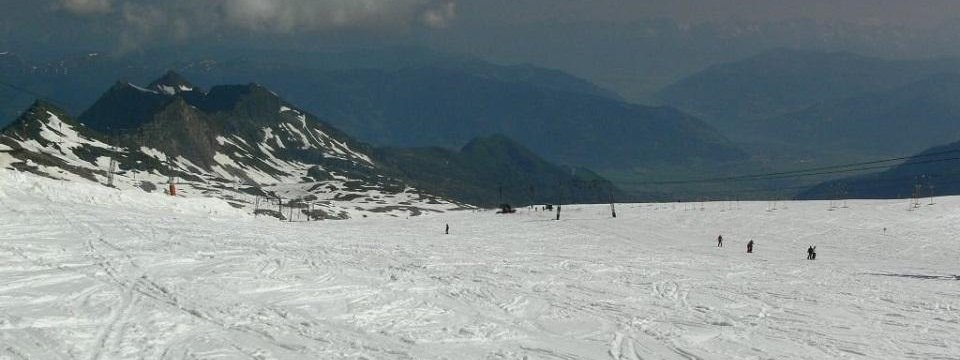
x=440, y=16
x=86, y=7
x=145, y=20
x=289, y=15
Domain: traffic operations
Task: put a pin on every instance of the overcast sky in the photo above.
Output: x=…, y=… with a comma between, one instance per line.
x=129, y=23
x=899, y=12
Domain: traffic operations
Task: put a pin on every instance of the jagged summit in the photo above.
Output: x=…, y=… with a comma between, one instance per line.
x=234, y=133
x=38, y=109
x=126, y=107
x=43, y=105
x=172, y=83
x=40, y=112
x=123, y=107
x=252, y=99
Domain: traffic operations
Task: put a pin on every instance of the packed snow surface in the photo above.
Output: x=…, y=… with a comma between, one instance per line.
x=88, y=272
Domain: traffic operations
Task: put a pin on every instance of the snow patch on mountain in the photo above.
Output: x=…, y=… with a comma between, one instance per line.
x=306, y=143
x=154, y=153
x=142, y=89
x=60, y=140
x=169, y=90
x=55, y=130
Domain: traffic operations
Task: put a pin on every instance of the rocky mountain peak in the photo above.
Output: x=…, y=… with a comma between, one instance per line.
x=172, y=83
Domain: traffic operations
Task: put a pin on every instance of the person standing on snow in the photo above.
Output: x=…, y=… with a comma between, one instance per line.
x=448, y=229
x=720, y=241
x=811, y=254
x=750, y=247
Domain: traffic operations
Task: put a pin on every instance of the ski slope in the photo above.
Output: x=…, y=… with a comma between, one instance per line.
x=88, y=272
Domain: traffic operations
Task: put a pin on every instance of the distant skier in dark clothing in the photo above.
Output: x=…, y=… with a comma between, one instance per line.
x=448, y=229
x=812, y=253
x=750, y=247
x=720, y=241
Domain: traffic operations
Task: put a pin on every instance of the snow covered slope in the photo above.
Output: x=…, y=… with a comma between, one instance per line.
x=87, y=272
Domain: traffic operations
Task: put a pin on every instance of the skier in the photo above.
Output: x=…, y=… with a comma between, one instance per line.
x=720, y=241
x=811, y=253
x=750, y=247
x=448, y=229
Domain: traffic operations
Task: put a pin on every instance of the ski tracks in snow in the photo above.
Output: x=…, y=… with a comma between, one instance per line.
x=87, y=282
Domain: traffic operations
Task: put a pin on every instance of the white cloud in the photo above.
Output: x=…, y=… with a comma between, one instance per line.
x=86, y=7
x=440, y=16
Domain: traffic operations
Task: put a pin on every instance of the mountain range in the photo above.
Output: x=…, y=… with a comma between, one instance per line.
x=245, y=144
x=932, y=172
x=416, y=98
x=783, y=109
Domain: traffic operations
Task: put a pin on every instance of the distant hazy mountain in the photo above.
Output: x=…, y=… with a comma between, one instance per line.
x=736, y=96
x=935, y=171
x=443, y=106
x=450, y=101
x=639, y=57
x=889, y=122
x=495, y=168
